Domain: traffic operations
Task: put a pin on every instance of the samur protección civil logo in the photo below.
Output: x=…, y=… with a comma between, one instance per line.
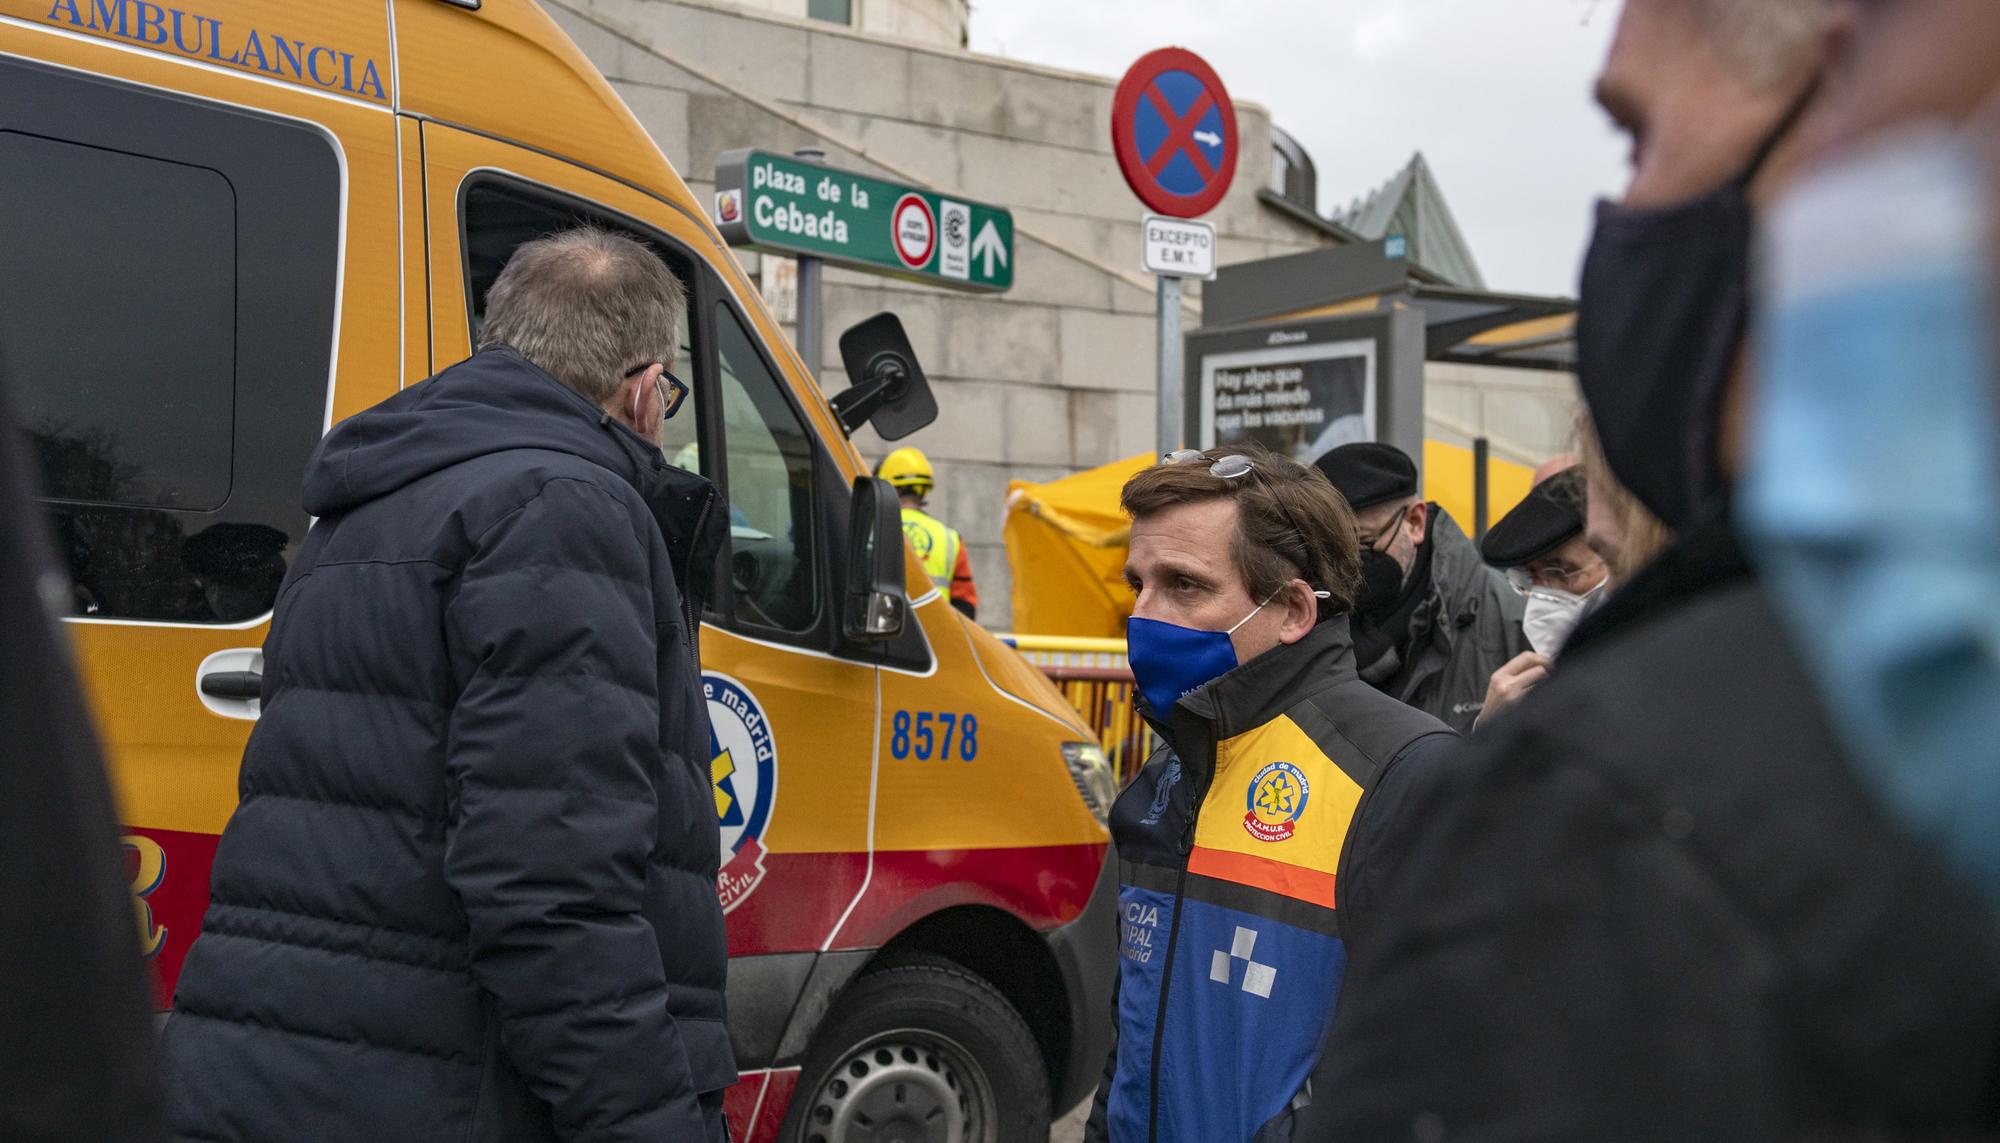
x=744, y=770
x=1277, y=797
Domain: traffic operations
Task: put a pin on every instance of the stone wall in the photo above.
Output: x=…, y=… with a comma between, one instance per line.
x=939, y=22
x=1056, y=375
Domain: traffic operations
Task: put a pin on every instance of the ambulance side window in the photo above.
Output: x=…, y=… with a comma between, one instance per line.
x=773, y=564
x=167, y=288
x=499, y=215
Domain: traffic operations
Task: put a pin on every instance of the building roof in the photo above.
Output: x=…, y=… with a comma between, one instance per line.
x=1412, y=205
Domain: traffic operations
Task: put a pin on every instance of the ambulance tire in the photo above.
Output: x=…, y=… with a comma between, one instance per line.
x=902, y=1044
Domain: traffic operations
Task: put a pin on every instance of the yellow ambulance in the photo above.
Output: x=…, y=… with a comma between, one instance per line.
x=227, y=224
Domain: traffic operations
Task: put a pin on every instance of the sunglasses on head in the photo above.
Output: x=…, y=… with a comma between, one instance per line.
x=1234, y=466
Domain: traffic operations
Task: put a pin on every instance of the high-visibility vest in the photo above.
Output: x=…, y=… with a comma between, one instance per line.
x=936, y=545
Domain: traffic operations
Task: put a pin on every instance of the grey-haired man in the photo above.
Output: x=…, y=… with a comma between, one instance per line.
x=469, y=892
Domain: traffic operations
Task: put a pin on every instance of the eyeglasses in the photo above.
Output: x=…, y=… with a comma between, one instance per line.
x=1558, y=576
x=1386, y=530
x=671, y=389
x=1234, y=467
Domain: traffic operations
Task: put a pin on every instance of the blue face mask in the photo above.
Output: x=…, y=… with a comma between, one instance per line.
x=1169, y=660
x=1872, y=502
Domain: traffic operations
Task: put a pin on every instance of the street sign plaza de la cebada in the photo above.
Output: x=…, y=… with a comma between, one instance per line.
x=792, y=206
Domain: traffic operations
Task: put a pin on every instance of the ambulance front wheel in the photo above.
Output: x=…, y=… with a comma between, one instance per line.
x=924, y=1052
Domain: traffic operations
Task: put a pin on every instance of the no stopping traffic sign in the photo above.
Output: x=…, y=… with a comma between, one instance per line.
x=1173, y=129
x=913, y=230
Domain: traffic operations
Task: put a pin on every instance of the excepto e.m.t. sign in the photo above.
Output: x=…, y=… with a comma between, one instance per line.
x=793, y=206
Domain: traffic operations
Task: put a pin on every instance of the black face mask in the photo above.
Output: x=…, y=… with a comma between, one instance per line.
x=1663, y=307
x=1381, y=584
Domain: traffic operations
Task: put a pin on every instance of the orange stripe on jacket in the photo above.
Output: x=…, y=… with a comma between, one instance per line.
x=1262, y=873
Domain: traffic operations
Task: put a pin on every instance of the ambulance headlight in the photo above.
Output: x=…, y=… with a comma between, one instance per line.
x=1091, y=771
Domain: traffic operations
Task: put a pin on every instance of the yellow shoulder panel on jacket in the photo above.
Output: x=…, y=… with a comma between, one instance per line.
x=1276, y=814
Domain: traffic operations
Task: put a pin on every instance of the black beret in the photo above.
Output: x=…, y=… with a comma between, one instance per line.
x=1550, y=516
x=1370, y=473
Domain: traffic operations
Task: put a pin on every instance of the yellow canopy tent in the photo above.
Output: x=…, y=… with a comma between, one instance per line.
x=1066, y=549
x=1066, y=539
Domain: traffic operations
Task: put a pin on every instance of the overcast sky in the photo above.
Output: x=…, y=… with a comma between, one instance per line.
x=1495, y=93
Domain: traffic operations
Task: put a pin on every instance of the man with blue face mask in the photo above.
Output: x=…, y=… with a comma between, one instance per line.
x=1655, y=903
x=1284, y=783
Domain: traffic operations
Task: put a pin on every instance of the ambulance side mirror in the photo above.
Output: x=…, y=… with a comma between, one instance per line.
x=877, y=596
x=889, y=389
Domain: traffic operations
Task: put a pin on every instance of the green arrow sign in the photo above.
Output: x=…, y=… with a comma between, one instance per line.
x=788, y=205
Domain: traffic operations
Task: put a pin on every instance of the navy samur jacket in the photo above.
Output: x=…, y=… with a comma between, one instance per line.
x=1279, y=783
x=469, y=890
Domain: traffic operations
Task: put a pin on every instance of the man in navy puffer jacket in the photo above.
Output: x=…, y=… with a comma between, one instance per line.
x=469, y=891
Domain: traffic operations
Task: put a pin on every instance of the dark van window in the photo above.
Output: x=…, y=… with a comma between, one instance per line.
x=773, y=543
x=167, y=276
x=134, y=258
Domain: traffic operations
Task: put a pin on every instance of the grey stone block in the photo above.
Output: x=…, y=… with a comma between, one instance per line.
x=964, y=94
x=999, y=340
x=1037, y=426
x=1067, y=113
x=1108, y=351
x=857, y=75
x=718, y=123
x=764, y=57
x=996, y=586
x=1108, y=426
x=1112, y=242
x=1049, y=277
x=971, y=424
x=973, y=499
x=1043, y=177
x=899, y=151
x=664, y=115
x=617, y=56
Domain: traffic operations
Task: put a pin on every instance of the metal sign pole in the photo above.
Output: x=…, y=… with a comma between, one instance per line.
x=810, y=333
x=1170, y=363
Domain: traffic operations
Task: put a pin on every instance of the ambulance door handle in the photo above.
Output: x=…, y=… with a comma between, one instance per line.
x=240, y=685
x=231, y=683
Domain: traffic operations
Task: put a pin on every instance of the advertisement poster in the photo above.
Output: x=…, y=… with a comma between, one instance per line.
x=1299, y=400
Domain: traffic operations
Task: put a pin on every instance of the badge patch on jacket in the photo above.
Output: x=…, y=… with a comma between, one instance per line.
x=1277, y=797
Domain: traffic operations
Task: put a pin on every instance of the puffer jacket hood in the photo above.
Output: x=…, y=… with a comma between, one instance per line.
x=494, y=401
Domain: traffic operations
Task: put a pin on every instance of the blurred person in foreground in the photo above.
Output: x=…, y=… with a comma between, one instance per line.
x=1622, y=532
x=78, y=1059
x=1280, y=774
x=1431, y=623
x=1540, y=546
x=1654, y=903
x=469, y=890
x=1873, y=499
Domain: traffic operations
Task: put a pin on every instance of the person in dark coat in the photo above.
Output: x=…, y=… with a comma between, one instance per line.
x=1541, y=548
x=78, y=1063
x=1431, y=621
x=469, y=890
x=1657, y=903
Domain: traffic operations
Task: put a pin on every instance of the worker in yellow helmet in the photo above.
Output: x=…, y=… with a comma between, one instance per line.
x=938, y=546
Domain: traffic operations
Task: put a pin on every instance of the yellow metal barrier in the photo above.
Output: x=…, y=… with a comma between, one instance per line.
x=1094, y=676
